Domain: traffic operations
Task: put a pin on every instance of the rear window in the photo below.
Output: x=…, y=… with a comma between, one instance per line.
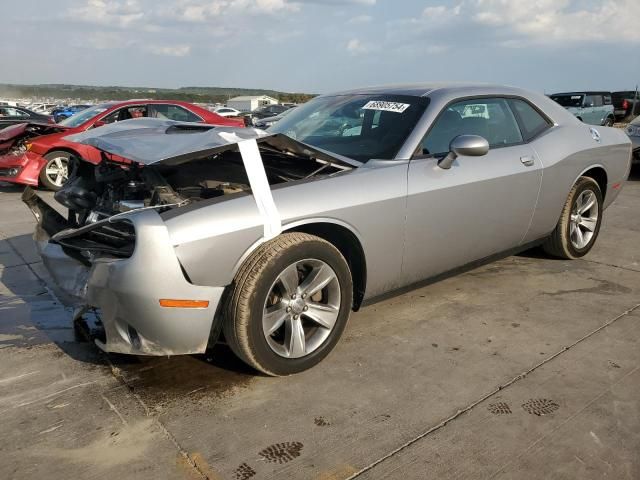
x=172, y=112
x=531, y=122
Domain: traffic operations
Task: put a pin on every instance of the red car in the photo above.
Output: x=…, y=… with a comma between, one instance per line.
x=46, y=159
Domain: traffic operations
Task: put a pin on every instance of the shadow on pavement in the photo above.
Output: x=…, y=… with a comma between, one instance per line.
x=30, y=315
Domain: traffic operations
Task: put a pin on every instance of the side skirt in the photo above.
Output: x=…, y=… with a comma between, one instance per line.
x=452, y=273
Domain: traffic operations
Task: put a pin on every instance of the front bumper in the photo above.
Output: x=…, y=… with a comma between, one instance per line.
x=24, y=168
x=127, y=291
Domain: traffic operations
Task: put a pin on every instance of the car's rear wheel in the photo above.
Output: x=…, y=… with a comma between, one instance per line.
x=56, y=171
x=289, y=304
x=579, y=225
x=608, y=122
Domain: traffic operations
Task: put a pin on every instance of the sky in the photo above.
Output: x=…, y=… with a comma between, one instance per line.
x=319, y=46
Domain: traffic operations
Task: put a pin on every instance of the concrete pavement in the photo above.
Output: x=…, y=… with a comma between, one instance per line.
x=469, y=377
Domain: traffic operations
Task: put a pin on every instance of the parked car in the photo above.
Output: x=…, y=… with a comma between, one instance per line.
x=47, y=159
x=274, y=238
x=228, y=112
x=43, y=108
x=623, y=104
x=633, y=130
x=269, y=121
x=15, y=115
x=265, y=112
x=594, y=108
x=67, y=111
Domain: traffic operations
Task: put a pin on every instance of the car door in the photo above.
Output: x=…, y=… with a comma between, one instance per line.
x=589, y=112
x=481, y=205
x=598, y=110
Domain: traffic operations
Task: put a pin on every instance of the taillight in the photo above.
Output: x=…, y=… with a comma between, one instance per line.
x=625, y=104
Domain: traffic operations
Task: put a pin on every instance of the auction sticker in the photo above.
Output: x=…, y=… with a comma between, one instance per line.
x=386, y=106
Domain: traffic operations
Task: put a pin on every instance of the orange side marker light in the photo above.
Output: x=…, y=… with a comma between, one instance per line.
x=173, y=303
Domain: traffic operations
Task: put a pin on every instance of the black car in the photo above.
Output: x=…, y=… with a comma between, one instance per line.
x=14, y=115
x=623, y=103
x=266, y=111
x=266, y=122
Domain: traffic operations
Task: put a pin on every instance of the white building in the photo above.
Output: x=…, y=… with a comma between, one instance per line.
x=250, y=103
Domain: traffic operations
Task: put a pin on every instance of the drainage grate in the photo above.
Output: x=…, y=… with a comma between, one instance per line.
x=500, y=408
x=540, y=406
x=282, y=452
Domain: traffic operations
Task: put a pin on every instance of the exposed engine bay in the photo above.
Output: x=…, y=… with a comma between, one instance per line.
x=15, y=138
x=98, y=192
x=98, y=196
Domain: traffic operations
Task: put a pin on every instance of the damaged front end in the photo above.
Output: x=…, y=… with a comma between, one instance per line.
x=113, y=251
x=17, y=163
x=15, y=138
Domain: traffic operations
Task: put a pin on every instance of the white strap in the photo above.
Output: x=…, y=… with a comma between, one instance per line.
x=260, y=187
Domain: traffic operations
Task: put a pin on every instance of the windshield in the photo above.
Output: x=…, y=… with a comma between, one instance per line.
x=568, y=100
x=360, y=127
x=81, y=117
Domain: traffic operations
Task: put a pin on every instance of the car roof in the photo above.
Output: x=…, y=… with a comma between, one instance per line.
x=141, y=101
x=437, y=89
x=425, y=89
x=583, y=92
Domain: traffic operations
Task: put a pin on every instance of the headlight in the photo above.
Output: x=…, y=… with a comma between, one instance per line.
x=633, y=130
x=28, y=146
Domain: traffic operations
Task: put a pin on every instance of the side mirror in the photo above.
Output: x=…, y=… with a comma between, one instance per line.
x=98, y=123
x=465, y=145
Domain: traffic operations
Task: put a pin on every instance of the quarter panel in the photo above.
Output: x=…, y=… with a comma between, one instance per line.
x=566, y=152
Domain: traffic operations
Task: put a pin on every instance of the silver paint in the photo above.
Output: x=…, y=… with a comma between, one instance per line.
x=412, y=219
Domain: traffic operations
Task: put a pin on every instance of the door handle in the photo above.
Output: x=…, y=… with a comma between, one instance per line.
x=527, y=160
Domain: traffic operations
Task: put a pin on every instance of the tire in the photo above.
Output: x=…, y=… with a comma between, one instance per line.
x=57, y=159
x=258, y=286
x=564, y=242
x=608, y=122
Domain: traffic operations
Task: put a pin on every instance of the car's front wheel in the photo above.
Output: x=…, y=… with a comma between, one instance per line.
x=289, y=304
x=579, y=225
x=56, y=171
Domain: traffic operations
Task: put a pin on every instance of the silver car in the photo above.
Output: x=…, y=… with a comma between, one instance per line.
x=271, y=240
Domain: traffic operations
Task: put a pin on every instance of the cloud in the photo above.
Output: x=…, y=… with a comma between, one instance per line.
x=517, y=22
x=169, y=51
x=360, y=19
x=113, y=13
x=342, y=3
x=356, y=47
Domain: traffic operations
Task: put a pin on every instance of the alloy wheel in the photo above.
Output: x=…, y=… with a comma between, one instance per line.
x=301, y=308
x=57, y=170
x=584, y=219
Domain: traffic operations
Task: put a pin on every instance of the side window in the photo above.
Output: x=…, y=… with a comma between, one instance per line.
x=11, y=112
x=490, y=118
x=532, y=123
x=589, y=101
x=126, y=113
x=172, y=112
x=597, y=101
x=607, y=99
x=112, y=117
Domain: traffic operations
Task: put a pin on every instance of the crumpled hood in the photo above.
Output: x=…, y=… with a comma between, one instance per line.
x=150, y=141
x=14, y=131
